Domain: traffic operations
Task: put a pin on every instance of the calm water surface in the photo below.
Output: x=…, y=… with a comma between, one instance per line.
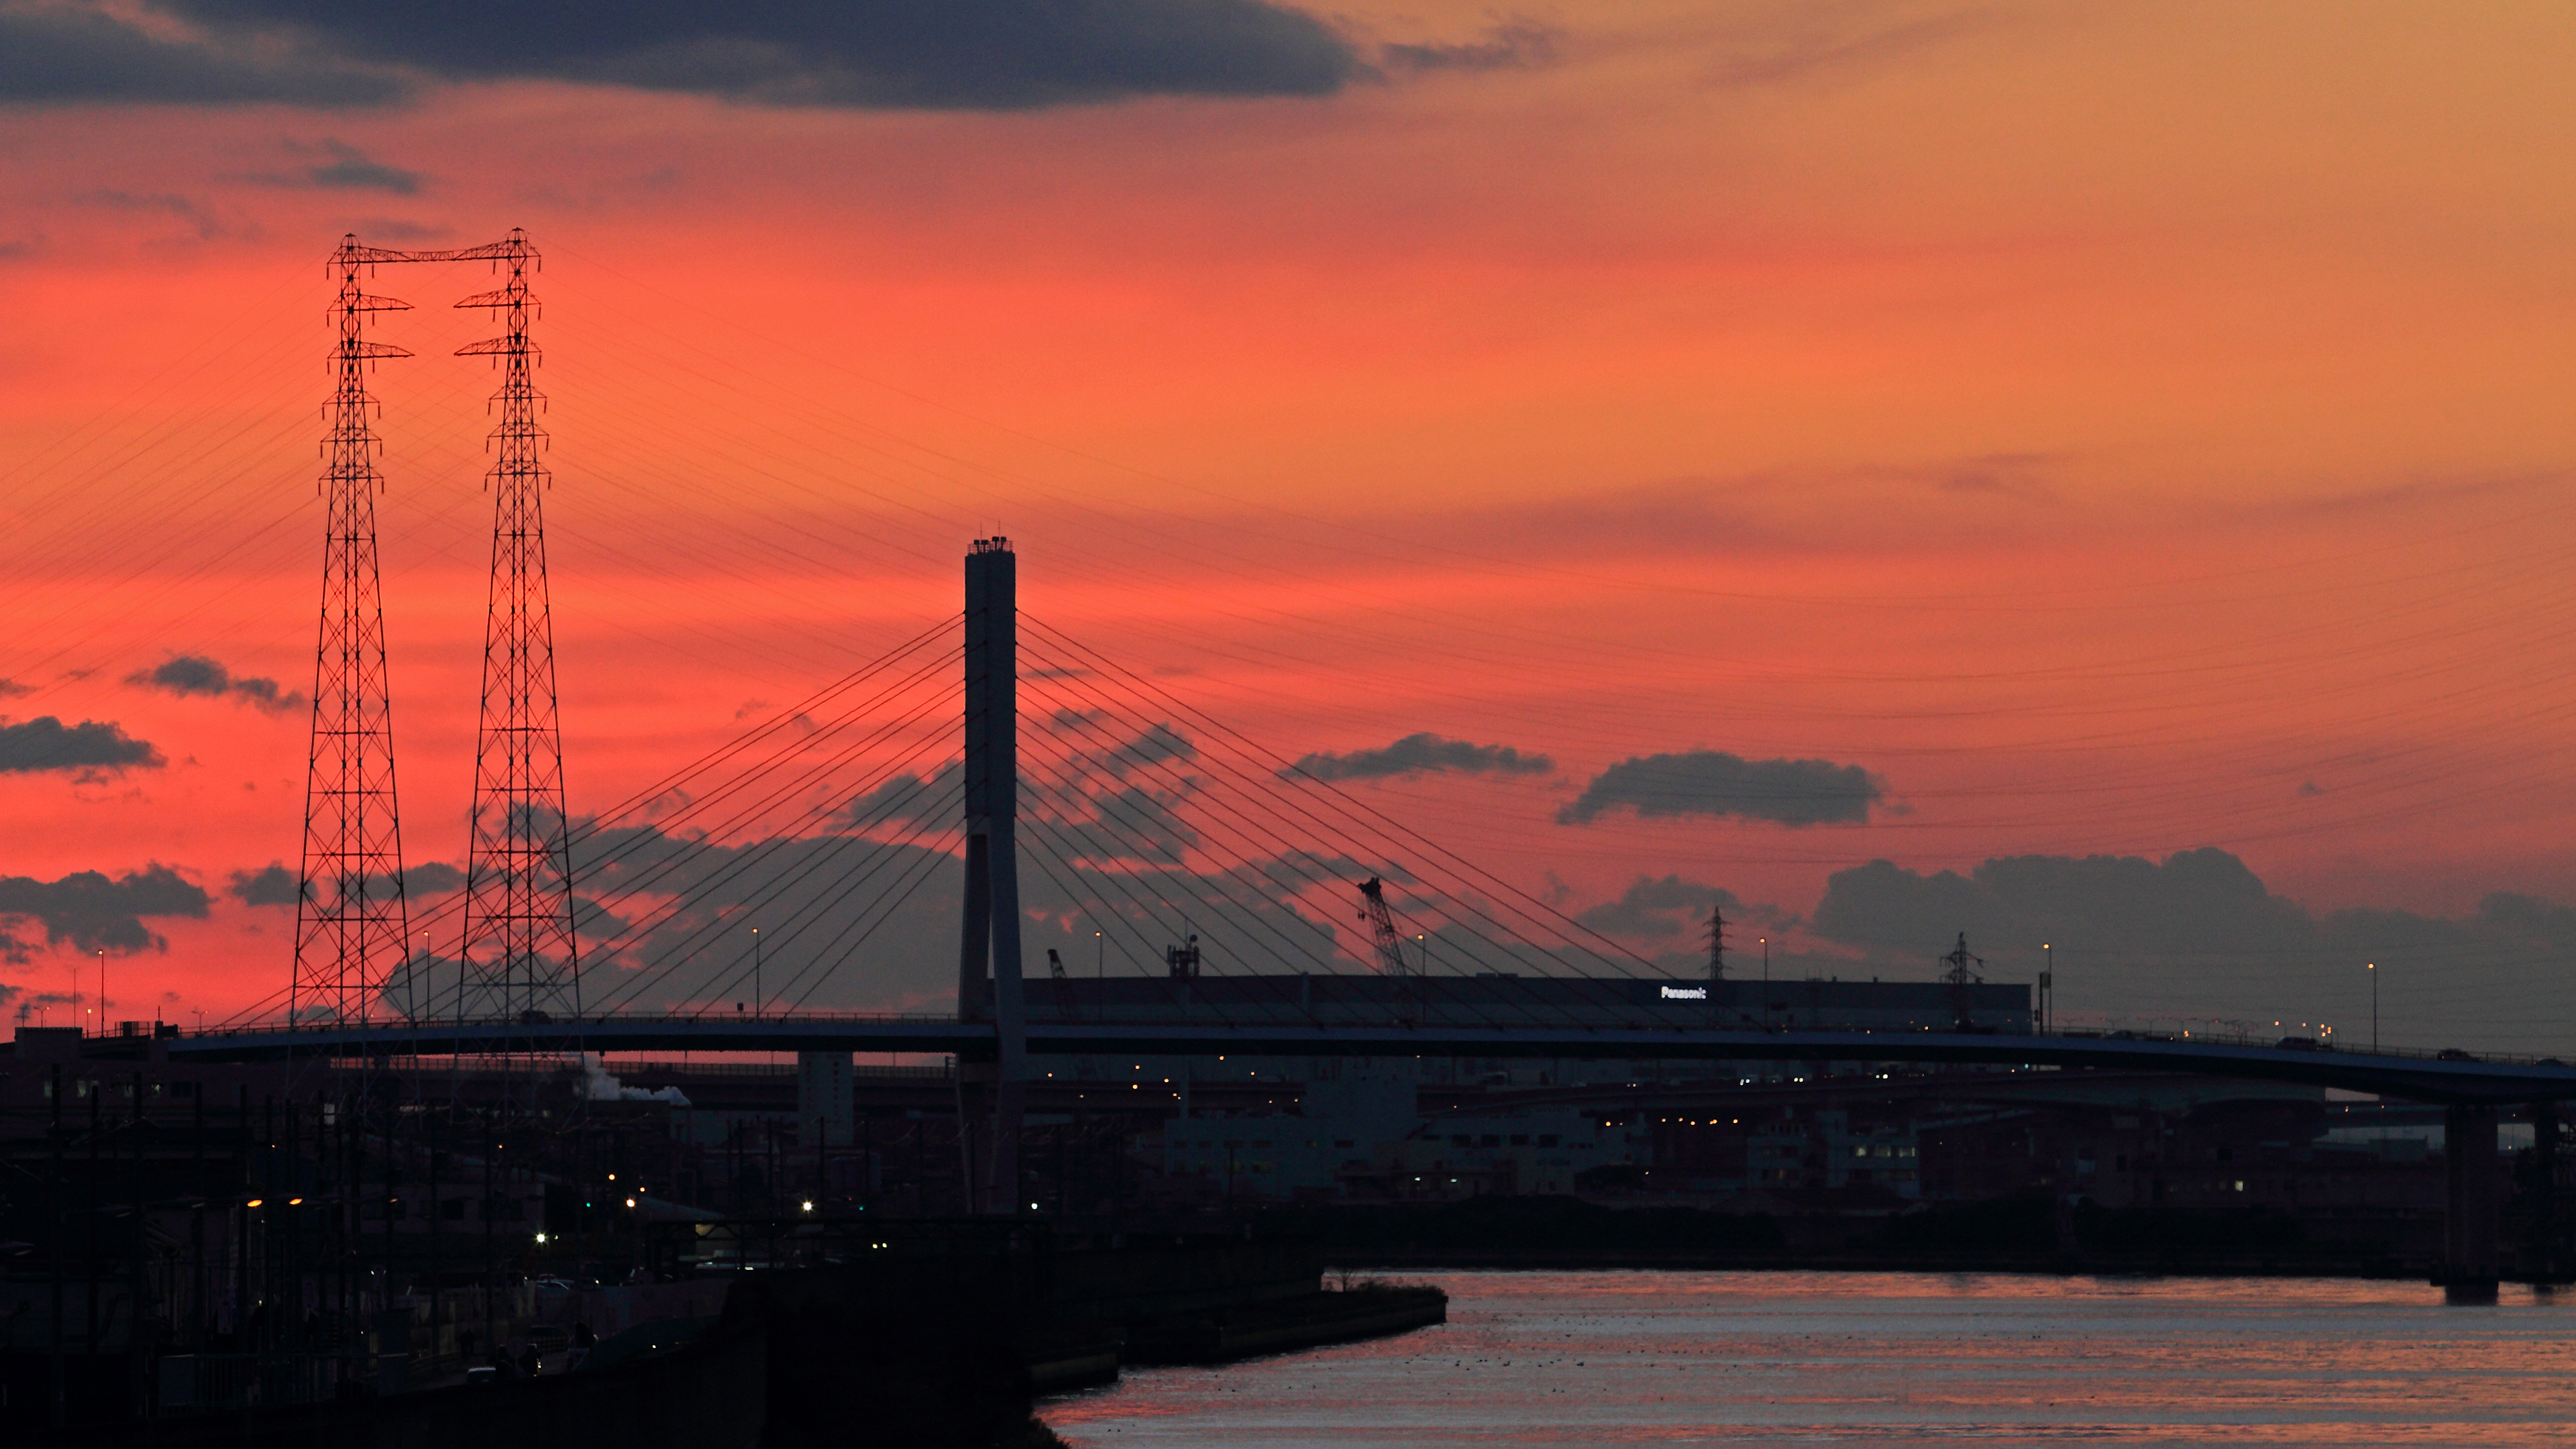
x=1799, y=1358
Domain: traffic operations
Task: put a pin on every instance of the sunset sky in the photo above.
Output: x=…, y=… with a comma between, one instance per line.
x=2074, y=430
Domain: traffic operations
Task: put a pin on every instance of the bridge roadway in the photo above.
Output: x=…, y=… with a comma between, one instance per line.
x=2451, y=1079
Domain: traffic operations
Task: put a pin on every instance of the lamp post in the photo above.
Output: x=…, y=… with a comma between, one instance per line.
x=2373, y=969
x=2047, y=986
x=755, y=967
x=1766, y=983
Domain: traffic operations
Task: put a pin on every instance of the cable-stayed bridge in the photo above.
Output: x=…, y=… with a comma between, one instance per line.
x=854, y=843
x=852, y=803
x=1265, y=870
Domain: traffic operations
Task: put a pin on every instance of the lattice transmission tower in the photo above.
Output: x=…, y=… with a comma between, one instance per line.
x=351, y=922
x=519, y=953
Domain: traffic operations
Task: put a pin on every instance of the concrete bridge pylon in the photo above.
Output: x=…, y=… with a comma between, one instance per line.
x=992, y=1089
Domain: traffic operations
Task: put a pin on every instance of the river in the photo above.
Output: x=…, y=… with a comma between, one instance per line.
x=1567, y=1359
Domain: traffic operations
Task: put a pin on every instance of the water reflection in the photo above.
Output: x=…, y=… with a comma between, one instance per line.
x=1615, y=1358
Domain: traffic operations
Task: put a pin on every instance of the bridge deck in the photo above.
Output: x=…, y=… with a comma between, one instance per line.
x=2415, y=1076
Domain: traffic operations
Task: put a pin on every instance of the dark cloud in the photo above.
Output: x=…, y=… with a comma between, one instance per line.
x=1114, y=797
x=882, y=914
x=2529, y=917
x=1516, y=46
x=275, y=885
x=1137, y=824
x=980, y=54
x=12, y=689
x=186, y=674
x=159, y=203
x=2199, y=938
x=2195, y=902
x=595, y=921
x=92, y=747
x=59, y=54
x=335, y=165
x=271, y=885
x=1654, y=908
x=1714, y=783
x=432, y=878
x=1157, y=744
x=195, y=674
x=350, y=169
x=95, y=913
x=908, y=801
x=1415, y=754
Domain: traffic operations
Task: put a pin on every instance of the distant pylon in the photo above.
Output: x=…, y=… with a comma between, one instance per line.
x=351, y=920
x=1962, y=975
x=1716, y=945
x=519, y=952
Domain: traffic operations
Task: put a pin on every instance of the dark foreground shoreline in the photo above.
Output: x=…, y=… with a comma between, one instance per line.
x=2019, y=1235
x=2027, y=1264
x=942, y=1347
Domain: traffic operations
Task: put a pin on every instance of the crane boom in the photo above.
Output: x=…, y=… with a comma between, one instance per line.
x=1390, y=946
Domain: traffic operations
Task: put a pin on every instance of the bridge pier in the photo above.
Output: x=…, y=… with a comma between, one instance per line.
x=2549, y=1260
x=2471, y=1210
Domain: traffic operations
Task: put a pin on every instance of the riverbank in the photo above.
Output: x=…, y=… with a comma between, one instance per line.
x=937, y=1334
x=2016, y=1235
x=1366, y=1310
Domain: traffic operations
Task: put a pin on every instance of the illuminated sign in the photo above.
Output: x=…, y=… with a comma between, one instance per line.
x=1685, y=993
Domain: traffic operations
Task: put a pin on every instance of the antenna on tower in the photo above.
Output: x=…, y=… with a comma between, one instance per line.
x=519, y=954
x=1716, y=946
x=351, y=920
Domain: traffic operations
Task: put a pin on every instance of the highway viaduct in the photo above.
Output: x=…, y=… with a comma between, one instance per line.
x=2472, y=1090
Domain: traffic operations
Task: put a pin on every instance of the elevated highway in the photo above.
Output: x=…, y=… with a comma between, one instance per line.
x=2450, y=1079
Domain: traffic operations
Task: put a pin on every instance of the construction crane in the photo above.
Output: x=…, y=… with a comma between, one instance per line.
x=1390, y=946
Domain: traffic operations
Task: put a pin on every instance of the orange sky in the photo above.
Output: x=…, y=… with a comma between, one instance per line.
x=2118, y=430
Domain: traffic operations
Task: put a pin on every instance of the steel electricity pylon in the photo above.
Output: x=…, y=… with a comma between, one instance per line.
x=519, y=954
x=351, y=921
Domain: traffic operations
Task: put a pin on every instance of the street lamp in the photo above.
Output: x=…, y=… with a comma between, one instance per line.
x=755, y=966
x=2047, y=985
x=2373, y=969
